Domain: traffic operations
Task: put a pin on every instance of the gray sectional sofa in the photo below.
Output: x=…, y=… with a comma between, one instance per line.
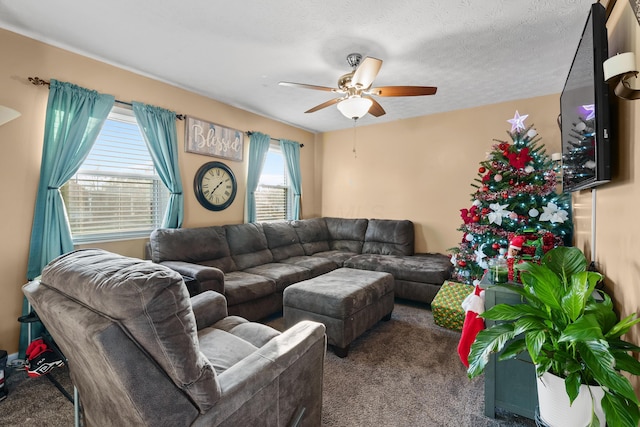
x=252, y=264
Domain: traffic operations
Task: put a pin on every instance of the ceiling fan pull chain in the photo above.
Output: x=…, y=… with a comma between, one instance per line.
x=355, y=154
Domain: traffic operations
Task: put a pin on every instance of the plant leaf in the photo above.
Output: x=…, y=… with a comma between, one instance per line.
x=545, y=284
x=488, y=341
x=514, y=348
x=572, y=386
x=623, y=326
x=586, y=328
x=619, y=411
x=565, y=261
x=626, y=362
x=509, y=312
x=544, y=365
x=530, y=323
x=523, y=292
x=618, y=344
x=604, y=313
x=581, y=286
x=535, y=340
x=600, y=361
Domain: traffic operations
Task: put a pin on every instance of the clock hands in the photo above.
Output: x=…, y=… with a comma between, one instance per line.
x=216, y=187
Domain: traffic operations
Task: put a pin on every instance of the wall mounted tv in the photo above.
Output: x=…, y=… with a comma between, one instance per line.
x=584, y=109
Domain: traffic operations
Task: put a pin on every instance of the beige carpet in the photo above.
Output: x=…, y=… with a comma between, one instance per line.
x=404, y=372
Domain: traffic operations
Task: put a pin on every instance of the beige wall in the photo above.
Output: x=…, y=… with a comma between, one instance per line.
x=422, y=168
x=21, y=150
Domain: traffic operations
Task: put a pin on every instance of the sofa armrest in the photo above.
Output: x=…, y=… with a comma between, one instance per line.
x=208, y=308
x=208, y=278
x=292, y=362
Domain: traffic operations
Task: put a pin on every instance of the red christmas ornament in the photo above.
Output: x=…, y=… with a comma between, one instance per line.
x=476, y=218
x=505, y=195
x=511, y=182
x=462, y=263
x=484, y=211
x=485, y=188
x=503, y=146
x=505, y=153
x=495, y=246
x=482, y=169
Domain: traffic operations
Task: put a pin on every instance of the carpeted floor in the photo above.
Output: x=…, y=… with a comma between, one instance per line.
x=404, y=372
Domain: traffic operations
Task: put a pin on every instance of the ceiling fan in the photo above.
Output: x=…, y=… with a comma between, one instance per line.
x=355, y=88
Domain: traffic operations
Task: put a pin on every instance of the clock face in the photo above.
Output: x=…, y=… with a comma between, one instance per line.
x=215, y=186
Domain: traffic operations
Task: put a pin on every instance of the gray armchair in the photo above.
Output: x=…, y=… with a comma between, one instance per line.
x=141, y=352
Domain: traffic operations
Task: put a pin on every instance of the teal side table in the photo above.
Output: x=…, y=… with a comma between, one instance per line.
x=508, y=384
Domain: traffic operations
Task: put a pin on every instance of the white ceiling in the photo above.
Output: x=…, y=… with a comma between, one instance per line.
x=477, y=52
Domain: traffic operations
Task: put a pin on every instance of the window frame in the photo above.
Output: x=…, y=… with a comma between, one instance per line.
x=158, y=194
x=274, y=147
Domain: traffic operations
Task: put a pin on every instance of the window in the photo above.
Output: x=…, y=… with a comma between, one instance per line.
x=116, y=193
x=273, y=195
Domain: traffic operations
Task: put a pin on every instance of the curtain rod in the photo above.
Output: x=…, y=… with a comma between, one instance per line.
x=249, y=132
x=37, y=81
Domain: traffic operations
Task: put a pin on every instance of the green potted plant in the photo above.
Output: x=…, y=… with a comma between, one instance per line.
x=567, y=334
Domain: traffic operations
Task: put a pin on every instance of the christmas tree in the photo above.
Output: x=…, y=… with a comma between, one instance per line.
x=514, y=196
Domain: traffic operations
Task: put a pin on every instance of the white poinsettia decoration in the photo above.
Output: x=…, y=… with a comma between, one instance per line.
x=480, y=256
x=553, y=214
x=498, y=213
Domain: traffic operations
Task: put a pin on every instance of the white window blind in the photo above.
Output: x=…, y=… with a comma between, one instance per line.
x=116, y=193
x=273, y=195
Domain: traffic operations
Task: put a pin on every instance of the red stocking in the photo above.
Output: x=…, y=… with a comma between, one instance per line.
x=473, y=305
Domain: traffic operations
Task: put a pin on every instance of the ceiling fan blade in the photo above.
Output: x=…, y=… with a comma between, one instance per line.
x=324, y=105
x=306, y=86
x=366, y=72
x=376, y=109
x=403, y=90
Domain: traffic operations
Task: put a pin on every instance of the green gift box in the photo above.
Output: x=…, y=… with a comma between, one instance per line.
x=447, y=305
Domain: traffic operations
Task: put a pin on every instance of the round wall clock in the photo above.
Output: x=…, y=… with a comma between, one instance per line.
x=215, y=186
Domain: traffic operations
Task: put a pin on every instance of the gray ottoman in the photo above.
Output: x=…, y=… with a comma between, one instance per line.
x=348, y=301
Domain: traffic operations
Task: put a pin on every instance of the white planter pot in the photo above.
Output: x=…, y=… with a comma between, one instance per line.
x=554, y=407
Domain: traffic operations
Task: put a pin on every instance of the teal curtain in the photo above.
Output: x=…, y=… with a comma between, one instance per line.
x=74, y=118
x=291, y=152
x=159, y=131
x=258, y=148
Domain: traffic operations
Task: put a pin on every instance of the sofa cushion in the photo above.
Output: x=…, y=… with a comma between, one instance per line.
x=150, y=302
x=313, y=235
x=201, y=245
x=317, y=265
x=389, y=237
x=282, y=240
x=248, y=245
x=222, y=349
x=428, y=268
x=240, y=287
x=346, y=234
x=282, y=274
x=255, y=333
x=339, y=257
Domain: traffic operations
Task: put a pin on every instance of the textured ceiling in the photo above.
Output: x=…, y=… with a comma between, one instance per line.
x=477, y=52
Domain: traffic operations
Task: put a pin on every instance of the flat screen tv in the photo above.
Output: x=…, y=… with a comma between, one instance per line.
x=584, y=110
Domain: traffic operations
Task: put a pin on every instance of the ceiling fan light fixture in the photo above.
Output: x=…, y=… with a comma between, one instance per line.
x=354, y=107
